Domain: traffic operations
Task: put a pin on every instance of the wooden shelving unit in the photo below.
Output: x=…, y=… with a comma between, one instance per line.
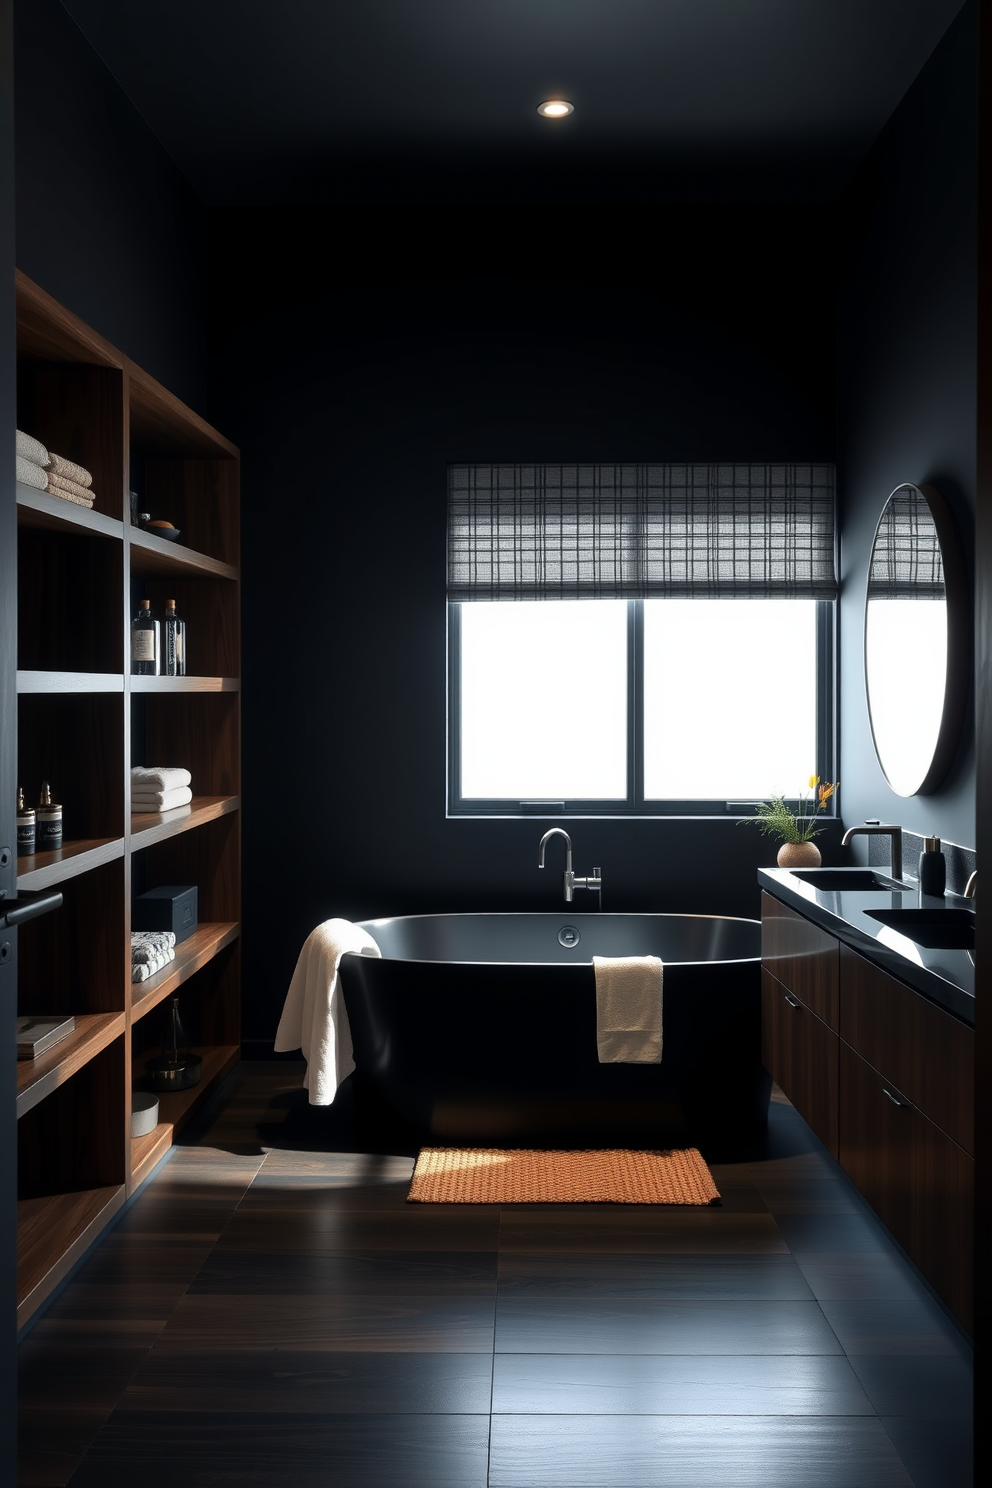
x=83, y=720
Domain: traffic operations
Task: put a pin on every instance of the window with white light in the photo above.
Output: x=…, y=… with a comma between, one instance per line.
x=642, y=639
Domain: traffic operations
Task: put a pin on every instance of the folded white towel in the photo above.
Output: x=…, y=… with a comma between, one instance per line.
x=314, y=1017
x=31, y=449
x=68, y=470
x=161, y=800
x=30, y=474
x=158, y=778
x=628, y=1009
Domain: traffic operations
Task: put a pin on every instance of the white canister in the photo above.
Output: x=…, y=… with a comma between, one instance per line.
x=144, y=1113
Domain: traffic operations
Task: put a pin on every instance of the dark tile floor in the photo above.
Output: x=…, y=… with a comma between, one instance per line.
x=265, y=1315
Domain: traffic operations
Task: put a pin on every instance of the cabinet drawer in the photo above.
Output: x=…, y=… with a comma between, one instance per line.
x=925, y=1051
x=800, y=1053
x=919, y=1182
x=801, y=956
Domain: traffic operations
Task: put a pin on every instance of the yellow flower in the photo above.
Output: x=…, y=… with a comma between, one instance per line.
x=813, y=780
x=826, y=791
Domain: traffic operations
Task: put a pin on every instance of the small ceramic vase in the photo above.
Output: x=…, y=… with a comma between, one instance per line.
x=799, y=855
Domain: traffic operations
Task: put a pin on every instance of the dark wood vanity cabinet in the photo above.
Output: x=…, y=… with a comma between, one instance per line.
x=799, y=1011
x=886, y=1080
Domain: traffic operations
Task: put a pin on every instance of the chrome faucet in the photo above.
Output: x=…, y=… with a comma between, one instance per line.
x=571, y=883
x=971, y=885
x=880, y=829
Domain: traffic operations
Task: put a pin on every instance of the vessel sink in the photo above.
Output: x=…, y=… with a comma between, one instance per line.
x=836, y=879
x=935, y=929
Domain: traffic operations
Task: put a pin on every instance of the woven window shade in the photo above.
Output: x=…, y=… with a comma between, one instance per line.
x=906, y=561
x=641, y=531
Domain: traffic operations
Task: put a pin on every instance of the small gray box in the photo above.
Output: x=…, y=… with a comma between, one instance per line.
x=171, y=907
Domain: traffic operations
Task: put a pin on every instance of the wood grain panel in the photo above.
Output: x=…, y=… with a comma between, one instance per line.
x=69, y=597
x=37, y=1078
x=802, y=957
x=926, y=1051
x=44, y=512
x=200, y=497
x=76, y=959
x=162, y=423
x=74, y=1139
x=148, y=827
x=42, y=870
x=210, y=609
x=52, y=1233
x=206, y=942
x=201, y=733
x=803, y=1051
x=919, y=1182
x=75, y=742
x=48, y=332
x=209, y=858
x=78, y=412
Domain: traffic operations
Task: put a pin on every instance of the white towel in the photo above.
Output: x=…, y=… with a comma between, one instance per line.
x=147, y=944
x=161, y=800
x=31, y=449
x=30, y=474
x=153, y=778
x=142, y=970
x=314, y=1017
x=628, y=1009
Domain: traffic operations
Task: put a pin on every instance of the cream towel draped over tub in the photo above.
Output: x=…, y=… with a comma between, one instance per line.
x=314, y=1018
x=628, y=1009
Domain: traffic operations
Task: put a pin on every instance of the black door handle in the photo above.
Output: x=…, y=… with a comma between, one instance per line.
x=28, y=907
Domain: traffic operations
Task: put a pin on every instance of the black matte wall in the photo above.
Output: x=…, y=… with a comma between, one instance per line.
x=907, y=370
x=105, y=221
x=363, y=353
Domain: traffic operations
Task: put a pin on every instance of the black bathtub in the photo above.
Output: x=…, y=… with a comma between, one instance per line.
x=481, y=1029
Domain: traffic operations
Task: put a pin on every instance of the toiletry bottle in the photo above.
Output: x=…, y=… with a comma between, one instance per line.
x=933, y=869
x=173, y=642
x=49, y=821
x=146, y=650
x=25, y=826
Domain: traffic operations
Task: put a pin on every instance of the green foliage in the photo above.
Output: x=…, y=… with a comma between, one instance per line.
x=776, y=819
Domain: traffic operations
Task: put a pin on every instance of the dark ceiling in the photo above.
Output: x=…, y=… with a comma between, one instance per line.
x=270, y=100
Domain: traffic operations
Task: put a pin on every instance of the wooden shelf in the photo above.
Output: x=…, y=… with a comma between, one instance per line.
x=48, y=332
x=38, y=682
x=52, y=1233
x=40, y=509
x=175, y=1110
x=42, y=870
x=155, y=555
x=37, y=1078
x=203, y=945
x=185, y=684
x=161, y=423
x=148, y=827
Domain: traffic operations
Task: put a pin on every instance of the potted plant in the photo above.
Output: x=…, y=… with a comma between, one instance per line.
x=795, y=829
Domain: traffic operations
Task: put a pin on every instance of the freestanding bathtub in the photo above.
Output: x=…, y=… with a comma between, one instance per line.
x=481, y=1029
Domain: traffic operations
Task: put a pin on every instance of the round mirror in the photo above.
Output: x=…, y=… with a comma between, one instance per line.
x=917, y=640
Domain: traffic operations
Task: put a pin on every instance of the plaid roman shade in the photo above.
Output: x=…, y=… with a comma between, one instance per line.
x=906, y=562
x=720, y=531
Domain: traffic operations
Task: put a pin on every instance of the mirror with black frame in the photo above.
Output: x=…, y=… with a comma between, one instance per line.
x=917, y=640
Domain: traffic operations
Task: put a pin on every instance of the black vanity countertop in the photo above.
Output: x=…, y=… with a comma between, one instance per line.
x=946, y=977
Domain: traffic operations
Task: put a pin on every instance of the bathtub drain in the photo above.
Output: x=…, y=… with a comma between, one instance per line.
x=569, y=936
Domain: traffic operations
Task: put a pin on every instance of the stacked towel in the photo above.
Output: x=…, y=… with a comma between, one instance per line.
x=160, y=789
x=151, y=950
x=45, y=471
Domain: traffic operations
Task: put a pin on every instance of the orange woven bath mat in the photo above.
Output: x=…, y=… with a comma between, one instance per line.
x=480, y=1175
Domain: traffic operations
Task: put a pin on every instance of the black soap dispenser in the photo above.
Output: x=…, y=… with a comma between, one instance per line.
x=933, y=869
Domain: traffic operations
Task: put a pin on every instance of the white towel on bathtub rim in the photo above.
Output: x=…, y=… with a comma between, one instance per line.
x=628, y=1009
x=314, y=1017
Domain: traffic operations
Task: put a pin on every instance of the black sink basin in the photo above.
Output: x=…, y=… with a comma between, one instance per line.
x=934, y=929
x=835, y=880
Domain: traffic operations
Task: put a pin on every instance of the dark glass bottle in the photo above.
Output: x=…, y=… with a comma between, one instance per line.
x=146, y=643
x=173, y=642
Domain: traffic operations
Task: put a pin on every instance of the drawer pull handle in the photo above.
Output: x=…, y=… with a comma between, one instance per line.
x=791, y=1000
x=893, y=1098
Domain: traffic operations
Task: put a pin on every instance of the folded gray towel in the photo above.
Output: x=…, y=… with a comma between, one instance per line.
x=69, y=470
x=30, y=474
x=31, y=449
x=142, y=970
x=146, y=779
x=147, y=944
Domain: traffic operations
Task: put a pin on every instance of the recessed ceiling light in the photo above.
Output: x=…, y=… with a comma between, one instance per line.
x=555, y=108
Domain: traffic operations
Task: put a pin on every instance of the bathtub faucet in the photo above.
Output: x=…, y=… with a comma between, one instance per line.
x=571, y=883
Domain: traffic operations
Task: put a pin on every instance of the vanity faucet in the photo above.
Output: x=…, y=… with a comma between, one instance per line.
x=880, y=829
x=571, y=883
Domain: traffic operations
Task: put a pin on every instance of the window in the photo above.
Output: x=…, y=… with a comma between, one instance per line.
x=655, y=693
